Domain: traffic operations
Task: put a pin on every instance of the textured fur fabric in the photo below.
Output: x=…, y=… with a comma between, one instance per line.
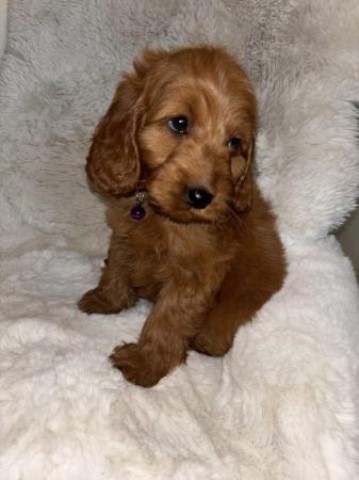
x=3, y=25
x=283, y=403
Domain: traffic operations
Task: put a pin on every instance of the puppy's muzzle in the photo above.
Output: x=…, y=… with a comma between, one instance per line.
x=198, y=197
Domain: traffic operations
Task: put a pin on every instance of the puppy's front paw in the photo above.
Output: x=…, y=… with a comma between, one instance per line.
x=135, y=367
x=97, y=301
x=94, y=302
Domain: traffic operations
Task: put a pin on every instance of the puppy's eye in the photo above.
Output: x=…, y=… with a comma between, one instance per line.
x=234, y=143
x=178, y=125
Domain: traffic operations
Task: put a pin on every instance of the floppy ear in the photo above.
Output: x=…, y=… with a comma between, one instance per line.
x=113, y=164
x=243, y=190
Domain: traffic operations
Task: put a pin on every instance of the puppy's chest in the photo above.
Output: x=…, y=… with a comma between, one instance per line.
x=162, y=251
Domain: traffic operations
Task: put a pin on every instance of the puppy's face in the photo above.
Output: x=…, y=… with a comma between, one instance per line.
x=193, y=118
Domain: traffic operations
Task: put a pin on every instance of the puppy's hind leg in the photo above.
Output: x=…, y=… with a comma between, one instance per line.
x=231, y=310
x=240, y=297
x=217, y=333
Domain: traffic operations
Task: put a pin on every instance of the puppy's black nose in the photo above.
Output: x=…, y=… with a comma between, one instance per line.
x=198, y=197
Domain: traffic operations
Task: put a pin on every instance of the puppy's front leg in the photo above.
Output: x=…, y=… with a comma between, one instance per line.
x=163, y=342
x=114, y=292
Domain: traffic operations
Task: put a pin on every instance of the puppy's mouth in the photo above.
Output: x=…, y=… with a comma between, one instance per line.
x=178, y=215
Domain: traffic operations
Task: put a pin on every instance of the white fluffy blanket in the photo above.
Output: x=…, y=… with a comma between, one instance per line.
x=283, y=404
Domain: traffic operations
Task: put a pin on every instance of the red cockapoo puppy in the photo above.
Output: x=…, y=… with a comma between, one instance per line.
x=190, y=230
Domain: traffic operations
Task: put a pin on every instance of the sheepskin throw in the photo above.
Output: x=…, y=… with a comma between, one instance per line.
x=283, y=404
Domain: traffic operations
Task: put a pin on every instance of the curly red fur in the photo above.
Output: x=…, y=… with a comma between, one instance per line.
x=207, y=269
